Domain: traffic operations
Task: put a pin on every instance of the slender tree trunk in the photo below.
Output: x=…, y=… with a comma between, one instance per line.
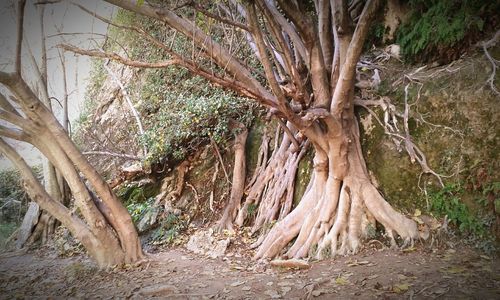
x=238, y=182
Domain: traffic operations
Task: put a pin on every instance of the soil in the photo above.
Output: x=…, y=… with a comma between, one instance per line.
x=178, y=274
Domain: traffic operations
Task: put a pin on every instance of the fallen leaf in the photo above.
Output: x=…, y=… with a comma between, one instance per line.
x=237, y=283
x=417, y=213
x=341, y=281
x=317, y=293
x=400, y=288
x=246, y=288
x=273, y=294
x=402, y=277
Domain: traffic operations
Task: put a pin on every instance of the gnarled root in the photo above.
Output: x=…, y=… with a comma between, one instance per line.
x=333, y=218
x=272, y=186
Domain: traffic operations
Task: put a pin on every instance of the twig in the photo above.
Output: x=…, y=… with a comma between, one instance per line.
x=128, y=156
x=214, y=145
x=196, y=196
x=129, y=102
x=494, y=62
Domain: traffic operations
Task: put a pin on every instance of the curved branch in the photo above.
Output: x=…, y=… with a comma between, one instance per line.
x=7, y=106
x=221, y=56
x=118, y=58
x=13, y=133
x=16, y=120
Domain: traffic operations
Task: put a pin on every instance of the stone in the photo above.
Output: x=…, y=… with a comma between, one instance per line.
x=204, y=243
x=149, y=219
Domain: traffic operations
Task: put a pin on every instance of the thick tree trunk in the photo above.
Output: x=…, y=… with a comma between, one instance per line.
x=105, y=251
x=339, y=202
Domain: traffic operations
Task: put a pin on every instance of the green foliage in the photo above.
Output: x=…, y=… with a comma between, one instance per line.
x=10, y=184
x=11, y=189
x=170, y=228
x=251, y=210
x=138, y=209
x=445, y=23
x=6, y=229
x=179, y=111
x=447, y=201
x=180, y=121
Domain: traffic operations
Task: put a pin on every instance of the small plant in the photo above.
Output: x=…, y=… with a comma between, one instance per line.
x=447, y=202
x=436, y=25
x=170, y=228
x=137, y=209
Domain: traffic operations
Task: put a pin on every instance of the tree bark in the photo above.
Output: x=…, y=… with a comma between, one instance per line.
x=238, y=182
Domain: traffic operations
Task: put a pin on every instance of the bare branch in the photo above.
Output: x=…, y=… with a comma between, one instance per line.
x=218, y=18
x=121, y=155
x=13, y=133
x=346, y=77
x=20, y=27
x=494, y=63
x=283, y=105
x=220, y=55
x=129, y=102
x=7, y=106
x=17, y=120
x=118, y=58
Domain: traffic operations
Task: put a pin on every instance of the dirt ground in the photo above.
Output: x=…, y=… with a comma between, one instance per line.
x=179, y=274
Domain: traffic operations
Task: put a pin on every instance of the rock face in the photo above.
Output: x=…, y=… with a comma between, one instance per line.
x=454, y=120
x=149, y=220
x=204, y=243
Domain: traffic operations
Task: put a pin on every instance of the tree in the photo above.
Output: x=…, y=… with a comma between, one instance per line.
x=40, y=225
x=308, y=51
x=102, y=223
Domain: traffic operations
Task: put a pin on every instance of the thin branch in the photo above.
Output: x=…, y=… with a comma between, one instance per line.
x=118, y=58
x=20, y=24
x=494, y=63
x=214, y=145
x=218, y=18
x=121, y=155
x=129, y=102
x=290, y=135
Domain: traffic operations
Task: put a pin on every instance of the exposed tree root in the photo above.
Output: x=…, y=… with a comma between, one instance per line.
x=331, y=214
x=272, y=185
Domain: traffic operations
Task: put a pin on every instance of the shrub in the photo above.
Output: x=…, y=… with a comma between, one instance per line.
x=444, y=28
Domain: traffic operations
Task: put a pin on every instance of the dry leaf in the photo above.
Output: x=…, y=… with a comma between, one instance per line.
x=341, y=281
x=400, y=288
